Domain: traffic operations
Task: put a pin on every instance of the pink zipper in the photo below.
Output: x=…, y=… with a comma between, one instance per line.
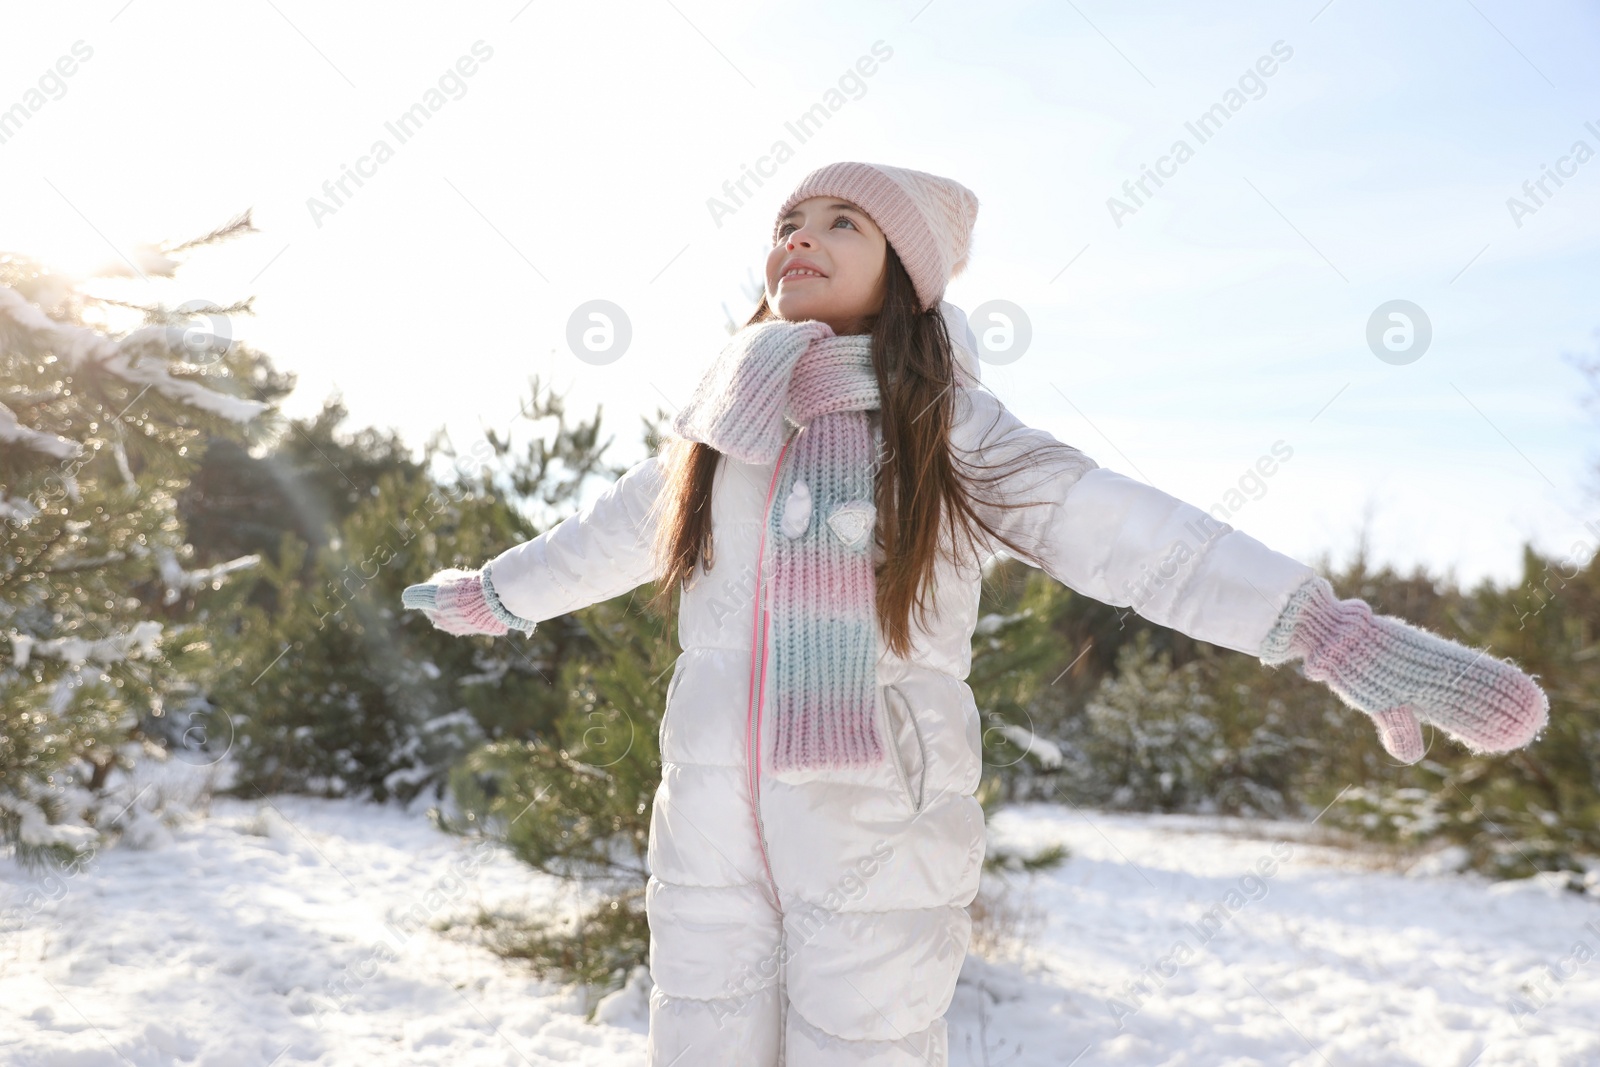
x=760, y=622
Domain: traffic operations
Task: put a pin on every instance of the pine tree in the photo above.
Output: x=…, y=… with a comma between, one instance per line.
x=575, y=800
x=105, y=617
x=338, y=691
x=1029, y=657
x=1516, y=814
x=307, y=479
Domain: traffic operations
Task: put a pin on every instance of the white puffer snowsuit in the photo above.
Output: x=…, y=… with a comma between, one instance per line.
x=819, y=918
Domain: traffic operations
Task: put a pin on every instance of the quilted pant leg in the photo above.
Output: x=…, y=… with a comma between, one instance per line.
x=875, y=994
x=875, y=868
x=715, y=935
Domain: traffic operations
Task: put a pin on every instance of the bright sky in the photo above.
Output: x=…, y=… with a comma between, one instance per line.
x=1228, y=311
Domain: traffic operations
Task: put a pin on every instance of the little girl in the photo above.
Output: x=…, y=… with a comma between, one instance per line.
x=815, y=839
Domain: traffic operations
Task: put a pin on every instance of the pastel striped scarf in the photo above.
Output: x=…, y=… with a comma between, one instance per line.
x=823, y=682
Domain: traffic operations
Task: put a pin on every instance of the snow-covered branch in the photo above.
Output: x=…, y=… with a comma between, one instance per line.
x=13, y=432
x=16, y=508
x=147, y=259
x=77, y=345
x=177, y=579
x=76, y=650
x=35, y=827
x=89, y=564
x=1048, y=753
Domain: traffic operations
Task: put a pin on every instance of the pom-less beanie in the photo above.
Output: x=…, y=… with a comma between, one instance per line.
x=928, y=219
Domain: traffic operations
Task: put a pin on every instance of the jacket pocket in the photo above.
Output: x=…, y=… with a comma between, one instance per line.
x=907, y=750
x=666, y=707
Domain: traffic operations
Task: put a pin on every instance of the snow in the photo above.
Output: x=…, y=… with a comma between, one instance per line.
x=1047, y=752
x=144, y=636
x=287, y=931
x=13, y=432
x=35, y=828
x=176, y=579
x=292, y=930
x=75, y=344
x=147, y=259
x=994, y=622
x=1329, y=959
x=16, y=508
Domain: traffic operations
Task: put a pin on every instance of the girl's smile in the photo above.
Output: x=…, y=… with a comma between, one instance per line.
x=797, y=269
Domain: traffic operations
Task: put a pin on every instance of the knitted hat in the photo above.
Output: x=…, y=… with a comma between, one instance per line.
x=928, y=219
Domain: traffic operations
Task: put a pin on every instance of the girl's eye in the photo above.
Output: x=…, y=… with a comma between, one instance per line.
x=783, y=231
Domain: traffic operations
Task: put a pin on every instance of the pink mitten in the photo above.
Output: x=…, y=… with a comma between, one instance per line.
x=1401, y=675
x=456, y=602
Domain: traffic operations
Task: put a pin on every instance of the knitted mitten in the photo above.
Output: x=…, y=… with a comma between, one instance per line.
x=1400, y=674
x=463, y=602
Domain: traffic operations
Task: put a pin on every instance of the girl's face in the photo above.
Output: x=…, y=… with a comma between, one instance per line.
x=828, y=265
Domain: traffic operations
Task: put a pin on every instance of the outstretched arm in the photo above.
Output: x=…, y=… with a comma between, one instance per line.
x=1129, y=544
x=1122, y=542
x=596, y=554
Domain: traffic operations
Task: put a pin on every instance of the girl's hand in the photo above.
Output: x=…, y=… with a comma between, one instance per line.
x=455, y=601
x=1401, y=675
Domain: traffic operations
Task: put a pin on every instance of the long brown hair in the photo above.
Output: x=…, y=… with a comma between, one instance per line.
x=918, y=486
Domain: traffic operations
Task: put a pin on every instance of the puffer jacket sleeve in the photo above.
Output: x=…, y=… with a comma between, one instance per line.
x=598, y=553
x=1122, y=542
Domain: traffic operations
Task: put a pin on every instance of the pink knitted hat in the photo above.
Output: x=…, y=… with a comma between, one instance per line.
x=928, y=219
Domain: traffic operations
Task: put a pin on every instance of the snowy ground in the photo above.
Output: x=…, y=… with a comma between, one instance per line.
x=215, y=945
x=1310, y=956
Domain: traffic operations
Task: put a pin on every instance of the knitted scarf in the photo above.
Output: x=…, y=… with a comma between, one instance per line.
x=823, y=682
